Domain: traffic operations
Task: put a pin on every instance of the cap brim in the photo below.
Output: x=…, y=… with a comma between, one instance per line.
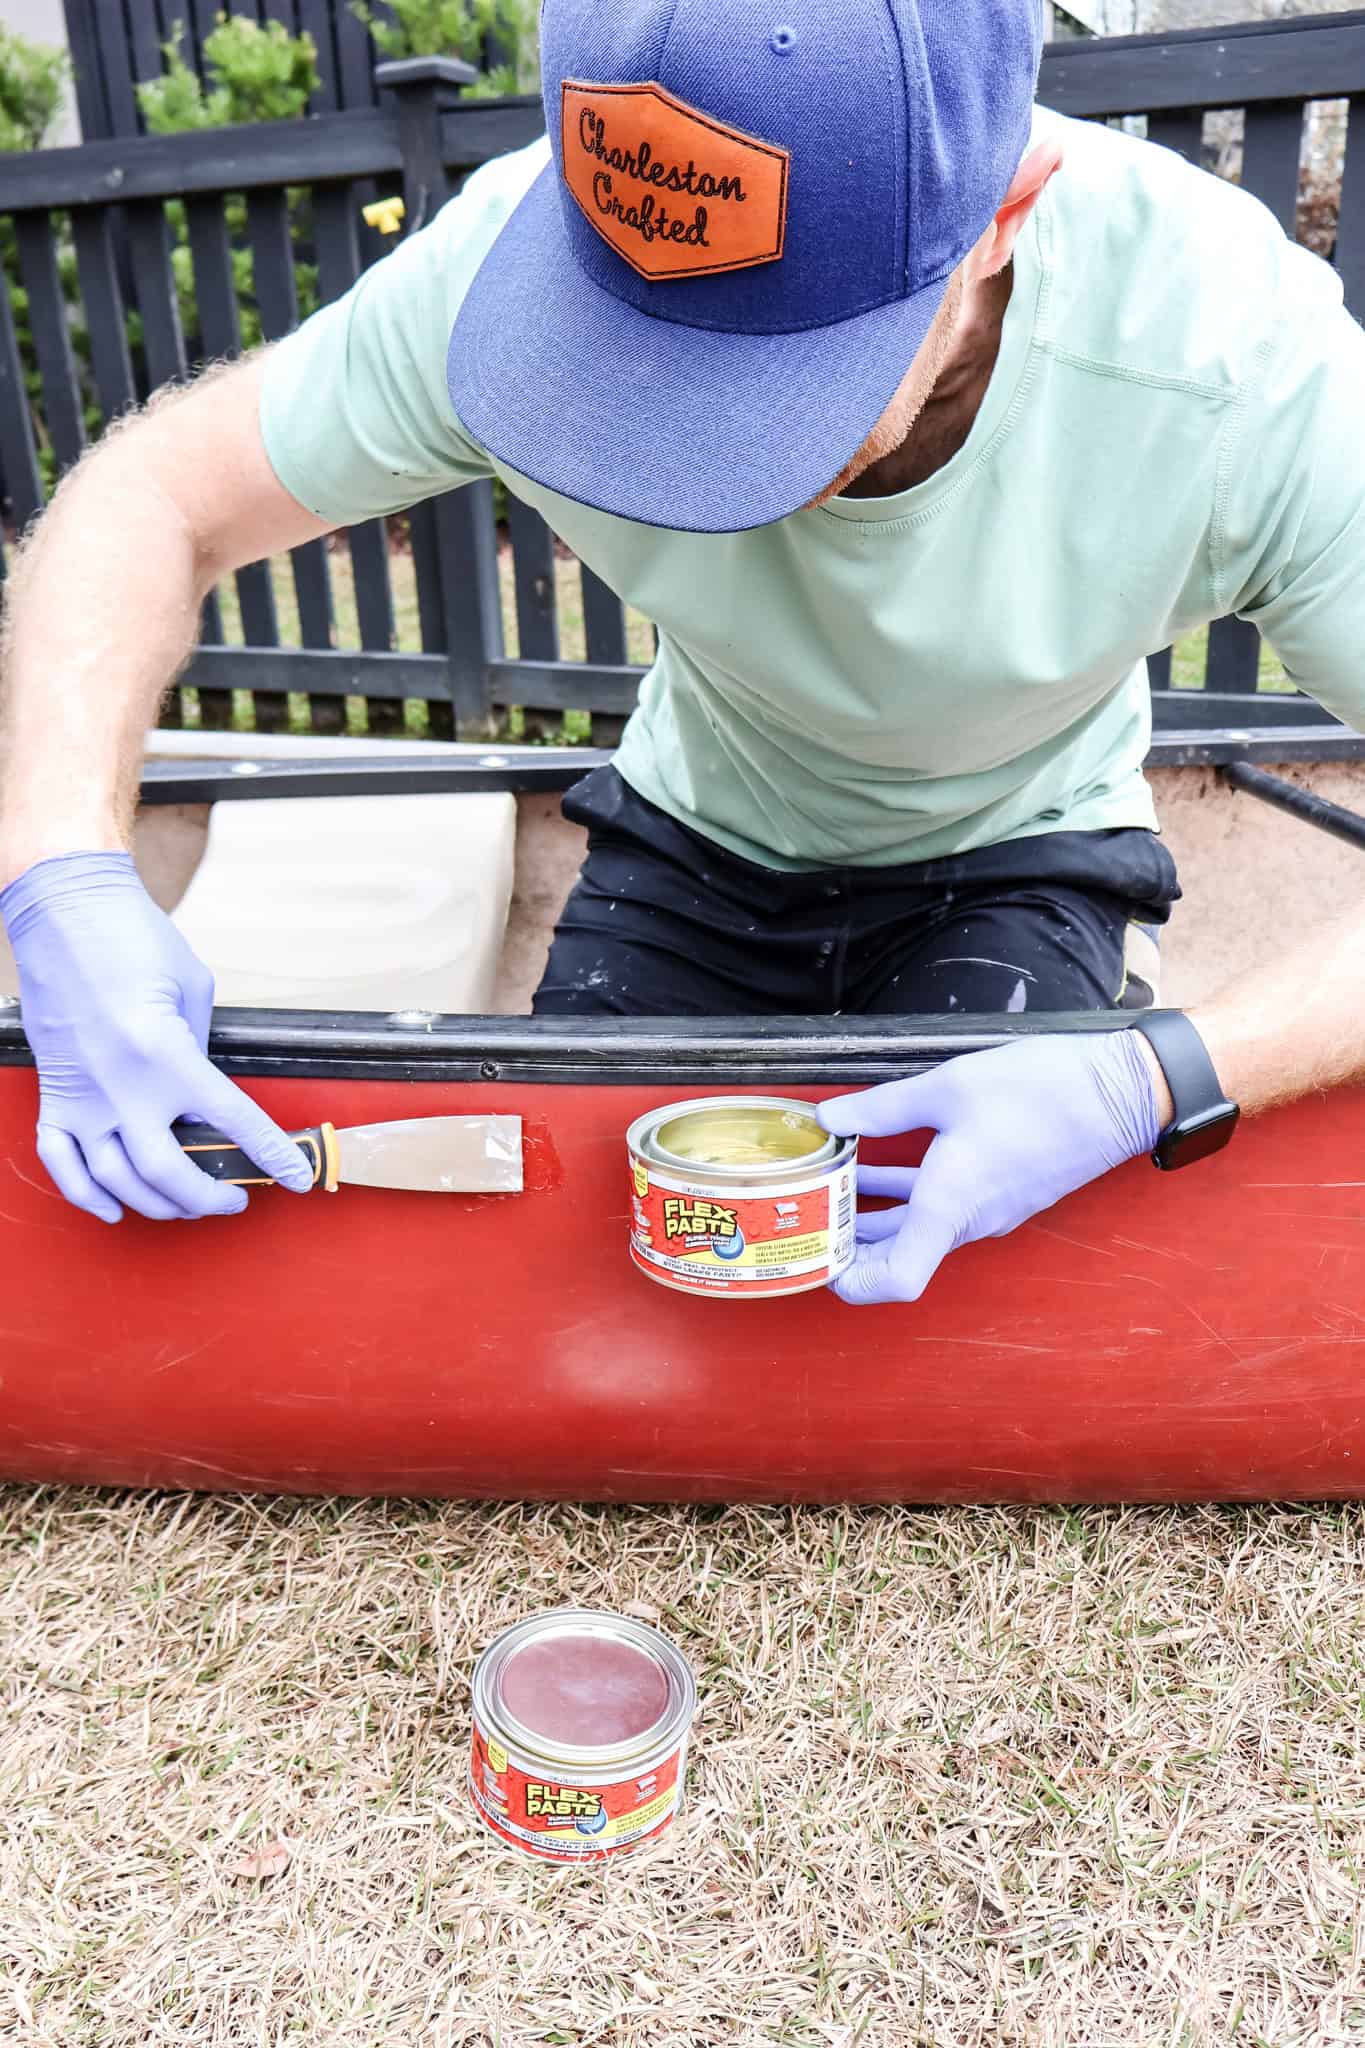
x=672, y=426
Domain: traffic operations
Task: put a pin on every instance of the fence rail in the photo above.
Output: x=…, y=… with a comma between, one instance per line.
x=115, y=44
x=130, y=214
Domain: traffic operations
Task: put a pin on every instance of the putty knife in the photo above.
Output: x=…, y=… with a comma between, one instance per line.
x=446, y=1155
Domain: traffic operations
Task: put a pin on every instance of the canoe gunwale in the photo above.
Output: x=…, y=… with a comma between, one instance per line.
x=626, y=1051
x=1278, y=729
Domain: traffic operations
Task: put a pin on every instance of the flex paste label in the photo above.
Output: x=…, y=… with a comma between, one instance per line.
x=743, y=1239
x=570, y=1823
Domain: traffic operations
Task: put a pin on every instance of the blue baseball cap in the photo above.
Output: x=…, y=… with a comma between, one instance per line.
x=752, y=211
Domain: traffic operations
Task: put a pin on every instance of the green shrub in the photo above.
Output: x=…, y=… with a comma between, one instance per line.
x=464, y=28
x=258, y=74
x=33, y=77
x=255, y=74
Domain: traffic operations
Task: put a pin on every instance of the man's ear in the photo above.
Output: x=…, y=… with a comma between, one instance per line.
x=1034, y=174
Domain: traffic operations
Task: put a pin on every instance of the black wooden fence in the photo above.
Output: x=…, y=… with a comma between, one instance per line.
x=115, y=193
x=115, y=44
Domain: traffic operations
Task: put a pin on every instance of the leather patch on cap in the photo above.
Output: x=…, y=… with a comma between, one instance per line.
x=674, y=192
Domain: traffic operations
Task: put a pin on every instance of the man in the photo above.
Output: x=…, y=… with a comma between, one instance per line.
x=912, y=447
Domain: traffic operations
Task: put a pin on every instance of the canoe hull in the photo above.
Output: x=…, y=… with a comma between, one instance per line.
x=1194, y=1336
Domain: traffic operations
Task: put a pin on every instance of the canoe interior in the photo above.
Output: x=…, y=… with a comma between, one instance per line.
x=1199, y=1335
x=1250, y=874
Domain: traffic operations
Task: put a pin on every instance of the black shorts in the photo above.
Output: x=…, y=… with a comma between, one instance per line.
x=665, y=923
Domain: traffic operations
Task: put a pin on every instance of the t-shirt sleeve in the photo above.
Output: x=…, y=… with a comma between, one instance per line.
x=1293, y=517
x=355, y=413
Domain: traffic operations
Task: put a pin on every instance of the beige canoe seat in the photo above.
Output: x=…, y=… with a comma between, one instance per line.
x=354, y=903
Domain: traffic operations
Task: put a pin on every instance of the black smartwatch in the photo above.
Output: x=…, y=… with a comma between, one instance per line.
x=1204, y=1118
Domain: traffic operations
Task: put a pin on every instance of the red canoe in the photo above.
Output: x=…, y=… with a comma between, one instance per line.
x=1197, y=1336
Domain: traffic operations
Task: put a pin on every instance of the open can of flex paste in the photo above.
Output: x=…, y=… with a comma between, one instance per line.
x=741, y=1195
x=581, y=1722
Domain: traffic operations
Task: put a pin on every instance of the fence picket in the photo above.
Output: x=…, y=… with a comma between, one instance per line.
x=117, y=65
x=145, y=38
x=18, y=446
x=149, y=248
x=316, y=19
x=220, y=336
x=215, y=290
x=1234, y=656
x=388, y=715
x=272, y=248
x=1270, y=158
x=473, y=602
x=277, y=303
x=92, y=97
x=373, y=596
x=533, y=560
x=211, y=621
x=1181, y=130
x=92, y=230
x=51, y=336
x=204, y=19
x=114, y=43
x=604, y=620
x=355, y=61
x=336, y=229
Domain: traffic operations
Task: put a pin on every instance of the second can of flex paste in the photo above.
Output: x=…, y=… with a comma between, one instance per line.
x=741, y=1196
x=581, y=1721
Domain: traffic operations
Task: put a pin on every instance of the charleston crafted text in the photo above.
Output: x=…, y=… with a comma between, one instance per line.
x=652, y=222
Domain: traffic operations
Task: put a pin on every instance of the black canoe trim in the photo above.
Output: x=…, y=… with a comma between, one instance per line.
x=526, y=771
x=518, y=771
x=702, y=1052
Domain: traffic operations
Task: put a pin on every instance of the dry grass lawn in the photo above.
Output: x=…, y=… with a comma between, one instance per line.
x=1069, y=1779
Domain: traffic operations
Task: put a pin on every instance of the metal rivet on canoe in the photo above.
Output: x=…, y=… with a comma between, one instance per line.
x=245, y=768
x=412, y=1020
x=493, y=761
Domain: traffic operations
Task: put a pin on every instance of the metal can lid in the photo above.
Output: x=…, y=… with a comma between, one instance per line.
x=741, y=1134
x=577, y=1687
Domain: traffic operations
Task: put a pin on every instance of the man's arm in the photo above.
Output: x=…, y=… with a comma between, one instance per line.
x=101, y=616
x=1020, y=1127
x=1296, y=1027
x=347, y=419
x=1289, y=554
x=103, y=608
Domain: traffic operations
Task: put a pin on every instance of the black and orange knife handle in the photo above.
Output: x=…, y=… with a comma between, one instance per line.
x=215, y=1154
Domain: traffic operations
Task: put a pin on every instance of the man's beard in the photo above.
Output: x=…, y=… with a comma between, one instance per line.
x=897, y=423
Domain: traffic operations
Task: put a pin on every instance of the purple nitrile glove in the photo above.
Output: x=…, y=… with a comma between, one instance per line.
x=116, y=1009
x=1018, y=1128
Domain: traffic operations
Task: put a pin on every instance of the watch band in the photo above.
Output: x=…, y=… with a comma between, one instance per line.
x=1204, y=1117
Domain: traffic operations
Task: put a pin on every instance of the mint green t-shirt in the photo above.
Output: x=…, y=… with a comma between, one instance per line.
x=1174, y=430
